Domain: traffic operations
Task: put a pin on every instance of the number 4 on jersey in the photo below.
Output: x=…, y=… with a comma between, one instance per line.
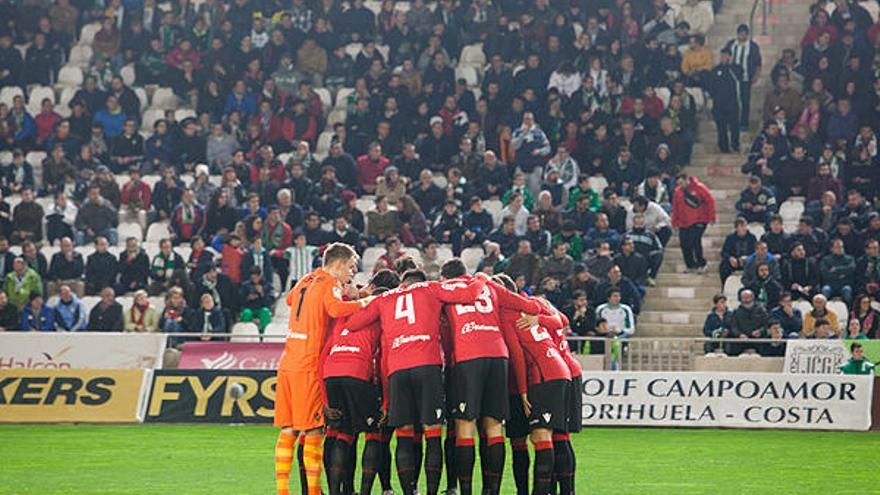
x=404, y=308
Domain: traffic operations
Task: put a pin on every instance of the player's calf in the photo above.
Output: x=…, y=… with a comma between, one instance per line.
x=405, y=459
x=563, y=465
x=544, y=461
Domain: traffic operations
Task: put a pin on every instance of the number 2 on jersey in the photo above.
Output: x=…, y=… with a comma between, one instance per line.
x=404, y=308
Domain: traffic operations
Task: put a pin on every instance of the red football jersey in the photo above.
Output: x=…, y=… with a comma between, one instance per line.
x=351, y=354
x=556, y=322
x=410, y=318
x=543, y=361
x=476, y=326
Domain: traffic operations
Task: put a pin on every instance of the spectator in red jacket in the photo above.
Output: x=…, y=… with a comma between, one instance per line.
x=46, y=120
x=370, y=167
x=693, y=208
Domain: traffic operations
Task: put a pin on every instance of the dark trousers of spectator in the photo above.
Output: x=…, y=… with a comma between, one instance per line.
x=728, y=131
x=691, y=240
x=727, y=269
x=745, y=94
x=57, y=229
x=655, y=259
x=664, y=234
x=282, y=267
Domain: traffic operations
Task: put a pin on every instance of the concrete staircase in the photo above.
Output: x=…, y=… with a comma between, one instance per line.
x=677, y=306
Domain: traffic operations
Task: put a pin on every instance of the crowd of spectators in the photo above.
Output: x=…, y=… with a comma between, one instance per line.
x=563, y=125
x=809, y=227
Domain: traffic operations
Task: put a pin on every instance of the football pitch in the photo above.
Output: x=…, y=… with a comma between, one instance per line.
x=217, y=460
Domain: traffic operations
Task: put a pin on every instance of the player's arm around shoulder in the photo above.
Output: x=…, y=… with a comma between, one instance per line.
x=331, y=297
x=459, y=291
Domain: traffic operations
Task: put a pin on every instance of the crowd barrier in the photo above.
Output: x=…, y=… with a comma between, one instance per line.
x=47, y=378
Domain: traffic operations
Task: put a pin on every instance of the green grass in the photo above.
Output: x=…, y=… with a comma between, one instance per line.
x=202, y=459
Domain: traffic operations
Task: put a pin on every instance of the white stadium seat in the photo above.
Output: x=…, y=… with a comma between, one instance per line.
x=80, y=56
x=184, y=113
x=88, y=32
x=8, y=93
x=324, y=95
x=663, y=94
x=471, y=257
x=130, y=229
x=342, y=97
x=150, y=117
x=323, y=147
x=472, y=56
x=141, y=93
x=598, y=183
x=352, y=49
x=365, y=203
x=165, y=99
x=276, y=328
x=36, y=97
x=336, y=116
x=370, y=257
x=494, y=207
x=731, y=289
x=756, y=229
x=70, y=75
x=158, y=231
x=127, y=74
x=246, y=332
x=839, y=309
x=469, y=74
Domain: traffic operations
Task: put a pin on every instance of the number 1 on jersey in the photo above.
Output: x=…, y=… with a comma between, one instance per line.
x=404, y=308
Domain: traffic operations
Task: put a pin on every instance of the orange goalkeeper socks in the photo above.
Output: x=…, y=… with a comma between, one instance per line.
x=283, y=461
x=313, y=456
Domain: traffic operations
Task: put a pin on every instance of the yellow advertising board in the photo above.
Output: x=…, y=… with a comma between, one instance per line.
x=72, y=395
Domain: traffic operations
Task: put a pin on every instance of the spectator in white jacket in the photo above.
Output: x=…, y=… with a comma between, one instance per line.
x=619, y=317
x=565, y=79
x=698, y=15
x=656, y=218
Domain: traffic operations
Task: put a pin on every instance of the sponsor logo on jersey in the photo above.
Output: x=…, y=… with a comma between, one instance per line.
x=344, y=348
x=476, y=327
x=552, y=353
x=408, y=339
x=297, y=335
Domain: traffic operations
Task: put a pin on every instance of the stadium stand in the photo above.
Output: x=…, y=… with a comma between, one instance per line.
x=557, y=117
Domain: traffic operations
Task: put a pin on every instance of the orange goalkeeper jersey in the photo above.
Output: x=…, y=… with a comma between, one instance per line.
x=314, y=301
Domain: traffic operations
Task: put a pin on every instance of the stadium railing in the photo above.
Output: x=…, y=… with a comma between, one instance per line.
x=595, y=353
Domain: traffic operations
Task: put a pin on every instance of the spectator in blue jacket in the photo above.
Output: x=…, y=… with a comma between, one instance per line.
x=24, y=122
x=111, y=117
x=240, y=100
x=602, y=231
x=70, y=314
x=788, y=316
x=36, y=316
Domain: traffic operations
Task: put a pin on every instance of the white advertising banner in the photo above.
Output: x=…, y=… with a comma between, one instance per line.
x=81, y=350
x=727, y=400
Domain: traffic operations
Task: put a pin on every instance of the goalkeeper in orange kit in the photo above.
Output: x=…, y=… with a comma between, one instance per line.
x=299, y=405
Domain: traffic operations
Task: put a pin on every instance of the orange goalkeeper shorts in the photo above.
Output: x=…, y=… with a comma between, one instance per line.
x=298, y=400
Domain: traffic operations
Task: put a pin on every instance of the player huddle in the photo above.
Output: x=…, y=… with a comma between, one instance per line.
x=410, y=356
